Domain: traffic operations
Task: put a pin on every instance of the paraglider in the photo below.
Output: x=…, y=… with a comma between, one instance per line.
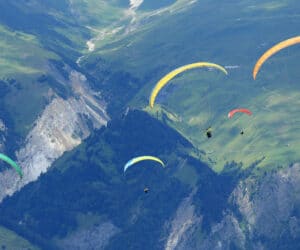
x=142, y=158
x=242, y=110
x=272, y=51
x=209, y=132
x=163, y=81
x=12, y=164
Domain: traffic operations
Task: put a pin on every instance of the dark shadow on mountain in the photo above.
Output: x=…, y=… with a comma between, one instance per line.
x=90, y=179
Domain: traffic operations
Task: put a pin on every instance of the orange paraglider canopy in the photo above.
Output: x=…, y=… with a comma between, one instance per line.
x=272, y=51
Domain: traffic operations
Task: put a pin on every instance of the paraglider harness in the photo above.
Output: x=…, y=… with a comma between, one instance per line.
x=209, y=132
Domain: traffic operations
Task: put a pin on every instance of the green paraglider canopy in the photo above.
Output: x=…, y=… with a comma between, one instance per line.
x=11, y=163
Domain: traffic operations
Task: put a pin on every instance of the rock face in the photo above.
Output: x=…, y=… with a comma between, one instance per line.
x=183, y=224
x=62, y=126
x=261, y=213
x=231, y=210
x=224, y=235
x=3, y=133
x=270, y=208
x=94, y=238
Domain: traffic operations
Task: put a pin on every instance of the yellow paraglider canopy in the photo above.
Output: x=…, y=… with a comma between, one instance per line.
x=163, y=81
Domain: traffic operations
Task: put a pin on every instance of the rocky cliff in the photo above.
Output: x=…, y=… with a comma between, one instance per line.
x=62, y=125
x=261, y=213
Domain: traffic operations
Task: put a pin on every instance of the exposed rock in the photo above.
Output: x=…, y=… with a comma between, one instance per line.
x=268, y=205
x=95, y=238
x=224, y=235
x=267, y=216
x=3, y=133
x=61, y=127
x=262, y=213
x=183, y=225
x=2, y=126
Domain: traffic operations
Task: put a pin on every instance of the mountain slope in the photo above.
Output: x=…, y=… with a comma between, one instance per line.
x=90, y=192
x=69, y=68
x=10, y=240
x=234, y=35
x=86, y=201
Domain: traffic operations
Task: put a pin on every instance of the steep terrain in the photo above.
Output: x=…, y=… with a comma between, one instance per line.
x=95, y=205
x=233, y=34
x=91, y=196
x=75, y=81
x=47, y=105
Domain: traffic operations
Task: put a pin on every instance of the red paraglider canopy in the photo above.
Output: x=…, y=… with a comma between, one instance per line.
x=232, y=112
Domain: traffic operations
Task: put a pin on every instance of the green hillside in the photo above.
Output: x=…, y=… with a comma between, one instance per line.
x=11, y=241
x=88, y=187
x=123, y=52
x=34, y=48
x=201, y=98
x=20, y=53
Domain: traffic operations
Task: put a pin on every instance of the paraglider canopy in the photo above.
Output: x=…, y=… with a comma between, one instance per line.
x=164, y=81
x=272, y=51
x=142, y=158
x=242, y=110
x=12, y=164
